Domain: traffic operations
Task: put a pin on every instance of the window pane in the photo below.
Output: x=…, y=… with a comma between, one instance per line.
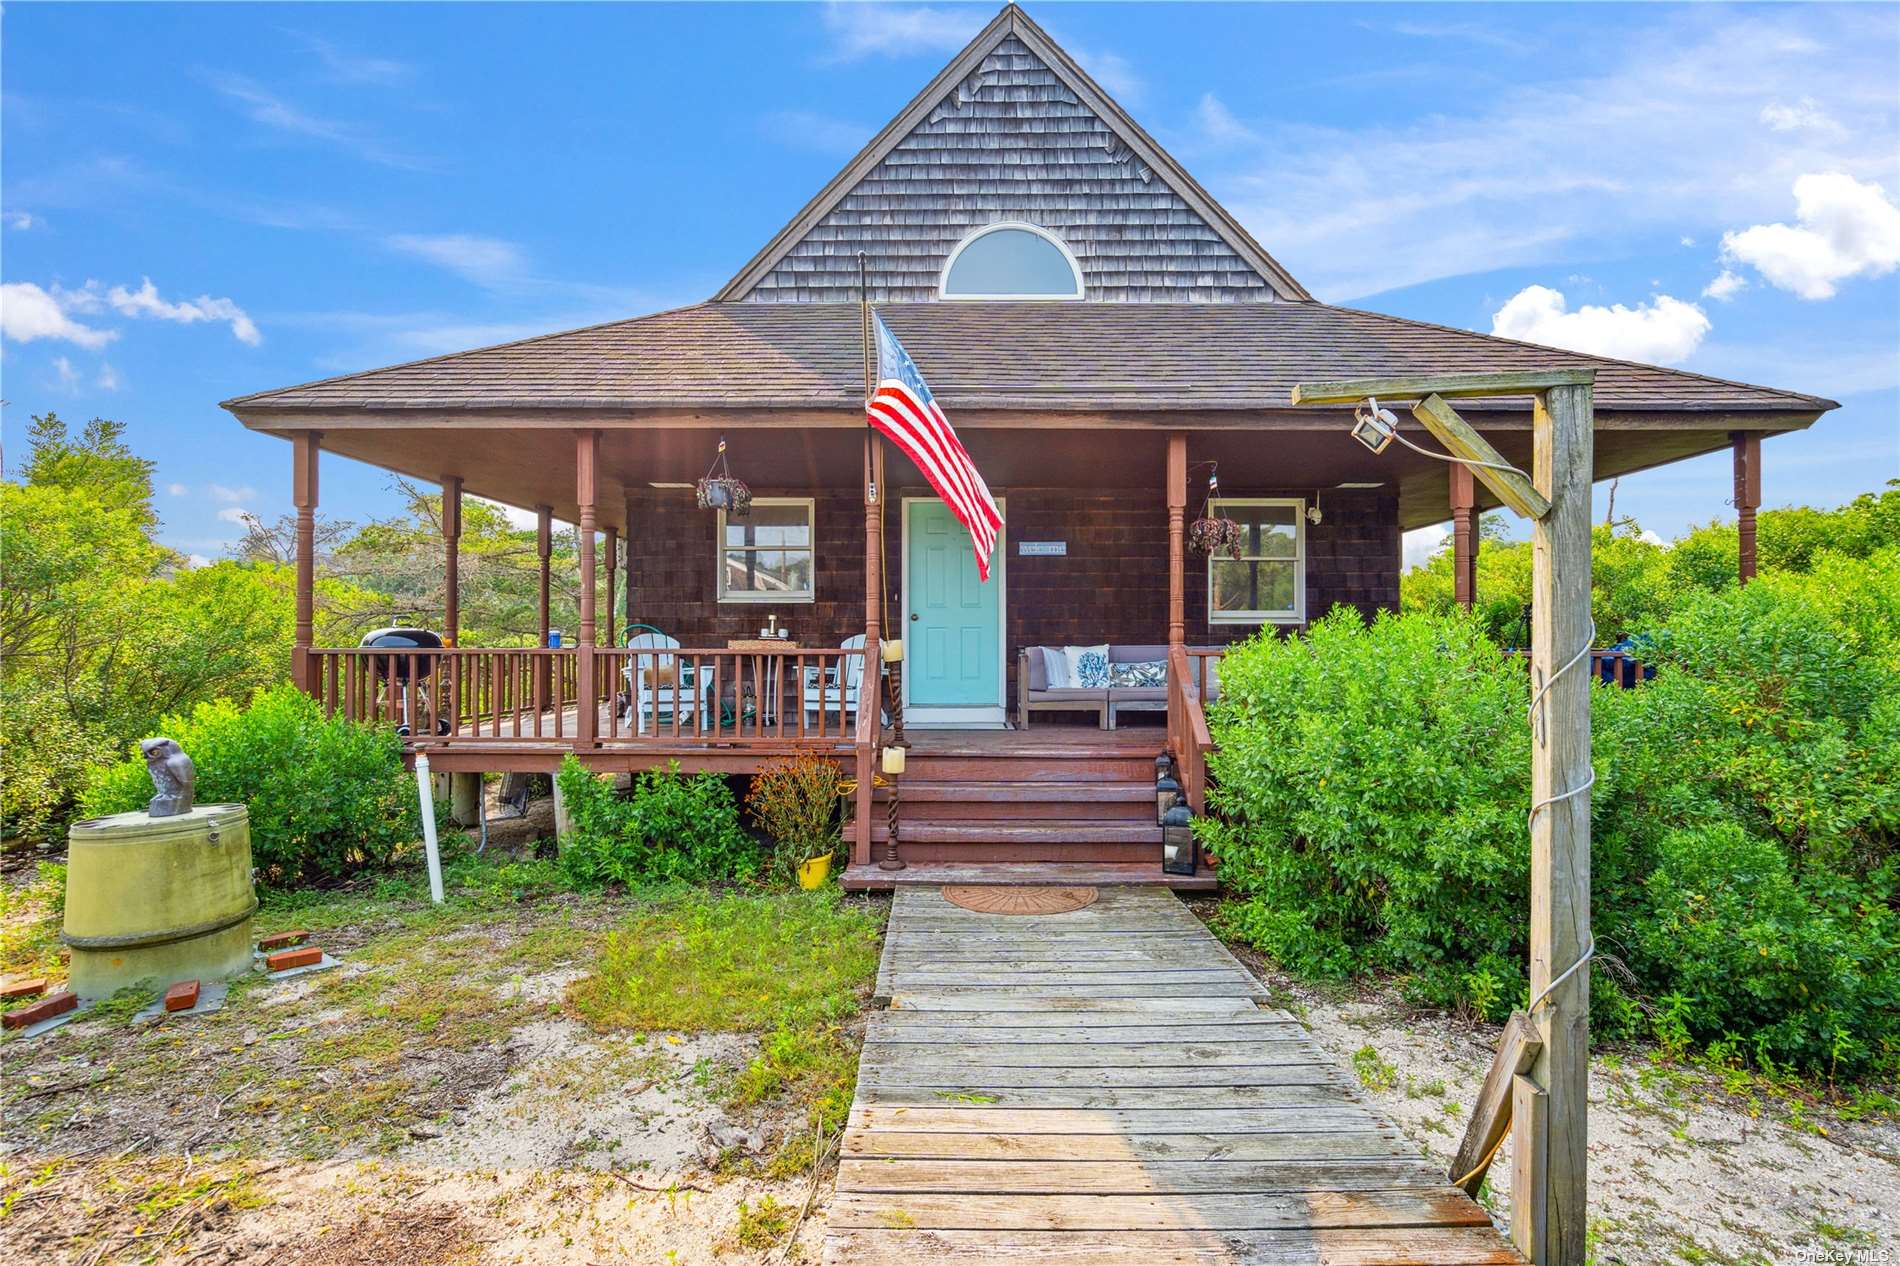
x=1252, y=586
x=768, y=571
x=769, y=525
x=1012, y=262
x=1265, y=531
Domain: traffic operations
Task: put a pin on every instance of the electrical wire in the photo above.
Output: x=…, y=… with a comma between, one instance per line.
x=1450, y=457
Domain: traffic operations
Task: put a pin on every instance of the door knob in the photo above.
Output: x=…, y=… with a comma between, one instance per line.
x=913, y=615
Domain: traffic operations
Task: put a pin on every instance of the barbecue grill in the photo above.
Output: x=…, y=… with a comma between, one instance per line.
x=397, y=641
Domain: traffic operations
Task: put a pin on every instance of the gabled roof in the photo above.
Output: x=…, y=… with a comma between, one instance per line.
x=1038, y=356
x=1013, y=128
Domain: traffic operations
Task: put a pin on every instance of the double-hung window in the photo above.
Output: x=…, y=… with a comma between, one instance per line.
x=1267, y=583
x=769, y=555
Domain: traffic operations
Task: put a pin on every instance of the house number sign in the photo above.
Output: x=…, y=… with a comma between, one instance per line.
x=1042, y=549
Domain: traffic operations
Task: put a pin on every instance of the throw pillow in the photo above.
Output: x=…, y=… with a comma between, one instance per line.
x=1088, y=666
x=1152, y=672
x=1055, y=667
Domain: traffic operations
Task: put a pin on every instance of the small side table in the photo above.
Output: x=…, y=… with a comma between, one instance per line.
x=774, y=682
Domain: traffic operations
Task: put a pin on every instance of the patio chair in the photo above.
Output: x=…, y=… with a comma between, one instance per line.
x=658, y=686
x=823, y=691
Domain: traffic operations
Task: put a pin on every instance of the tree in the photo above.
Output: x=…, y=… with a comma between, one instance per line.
x=98, y=462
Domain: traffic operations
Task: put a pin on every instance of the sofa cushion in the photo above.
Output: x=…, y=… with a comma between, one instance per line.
x=1136, y=654
x=1147, y=672
x=1138, y=694
x=1068, y=694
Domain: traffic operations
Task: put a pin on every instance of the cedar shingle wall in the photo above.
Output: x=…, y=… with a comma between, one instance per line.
x=1012, y=143
x=1112, y=586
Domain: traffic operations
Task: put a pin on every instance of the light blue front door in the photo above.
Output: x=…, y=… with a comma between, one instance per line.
x=954, y=646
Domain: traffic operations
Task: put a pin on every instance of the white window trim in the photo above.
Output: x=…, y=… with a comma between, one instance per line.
x=1075, y=265
x=1298, y=614
x=783, y=599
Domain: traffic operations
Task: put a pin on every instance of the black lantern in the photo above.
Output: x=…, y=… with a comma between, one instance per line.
x=1180, y=855
x=721, y=491
x=1167, y=787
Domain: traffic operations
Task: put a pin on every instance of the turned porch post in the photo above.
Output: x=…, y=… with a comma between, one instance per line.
x=586, y=486
x=1747, y=446
x=303, y=495
x=452, y=559
x=1464, y=535
x=544, y=549
x=1177, y=540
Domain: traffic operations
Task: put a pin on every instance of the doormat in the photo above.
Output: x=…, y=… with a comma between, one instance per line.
x=1005, y=899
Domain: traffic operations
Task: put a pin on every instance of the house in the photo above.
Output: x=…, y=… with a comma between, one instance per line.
x=1103, y=334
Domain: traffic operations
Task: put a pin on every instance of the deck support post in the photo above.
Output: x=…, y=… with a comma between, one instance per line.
x=544, y=550
x=611, y=553
x=1747, y=445
x=1560, y=822
x=452, y=559
x=1464, y=536
x=1177, y=539
x=303, y=495
x=586, y=489
x=626, y=596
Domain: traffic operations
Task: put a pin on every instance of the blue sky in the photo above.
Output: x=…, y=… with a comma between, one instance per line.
x=201, y=201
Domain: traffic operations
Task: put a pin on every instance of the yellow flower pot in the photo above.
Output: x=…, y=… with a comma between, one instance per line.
x=812, y=874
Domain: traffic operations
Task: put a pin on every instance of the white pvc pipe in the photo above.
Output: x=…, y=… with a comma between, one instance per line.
x=426, y=794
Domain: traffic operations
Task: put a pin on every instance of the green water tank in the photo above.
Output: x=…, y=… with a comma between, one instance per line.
x=159, y=899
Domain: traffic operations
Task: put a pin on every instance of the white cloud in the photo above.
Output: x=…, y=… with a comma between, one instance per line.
x=68, y=376
x=28, y=313
x=1726, y=286
x=1688, y=241
x=1662, y=332
x=1803, y=116
x=866, y=30
x=1649, y=537
x=197, y=560
x=107, y=379
x=483, y=260
x=1111, y=70
x=342, y=66
x=232, y=514
x=177, y=490
x=807, y=129
x=1219, y=123
x=516, y=516
x=218, y=492
x=1847, y=229
x=145, y=302
x=268, y=110
x=1486, y=34
x=1422, y=543
x=1667, y=140
x=21, y=220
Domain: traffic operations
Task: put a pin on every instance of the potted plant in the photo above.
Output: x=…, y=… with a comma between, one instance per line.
x=797, y=800
x=721, y=491
x=1213, y=534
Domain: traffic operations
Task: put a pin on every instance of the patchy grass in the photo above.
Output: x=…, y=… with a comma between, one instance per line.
x=762, y=1227
x=29, y=925
x=1374, y=1072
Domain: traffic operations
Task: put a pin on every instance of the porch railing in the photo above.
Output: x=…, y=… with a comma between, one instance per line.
x=1615, y=668
x=1188, y=738
x=744, y=698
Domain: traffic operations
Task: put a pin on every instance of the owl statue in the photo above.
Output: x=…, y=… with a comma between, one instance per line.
x=173, y=777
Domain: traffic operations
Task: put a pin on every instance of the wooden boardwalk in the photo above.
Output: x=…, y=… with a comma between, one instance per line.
x=1106, y=1088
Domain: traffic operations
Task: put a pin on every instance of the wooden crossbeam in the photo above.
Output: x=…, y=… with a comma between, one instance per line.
x=1418, y=386
x=1518, y=1046
x=1458, y=437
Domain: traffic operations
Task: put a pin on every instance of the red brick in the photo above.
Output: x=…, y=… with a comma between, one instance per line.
x=45, y=1009
x=182, y=996
x=284, y=960
x=22, y=989
x=279, y=940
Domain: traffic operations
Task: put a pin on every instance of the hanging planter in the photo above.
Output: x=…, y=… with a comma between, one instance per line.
x=721, y=491
x=1213, y=534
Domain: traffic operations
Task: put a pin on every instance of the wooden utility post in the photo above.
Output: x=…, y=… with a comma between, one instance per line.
x=1548, y=1106
x=303, y=495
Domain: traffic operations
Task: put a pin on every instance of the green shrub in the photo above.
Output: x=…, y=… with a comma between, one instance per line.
x=43, y=756
x=670, y=826
x=326, y=796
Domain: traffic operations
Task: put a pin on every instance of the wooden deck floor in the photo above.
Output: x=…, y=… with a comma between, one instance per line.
x=1106, y=1088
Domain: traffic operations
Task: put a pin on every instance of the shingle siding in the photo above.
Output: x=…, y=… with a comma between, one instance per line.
x=1012, y=142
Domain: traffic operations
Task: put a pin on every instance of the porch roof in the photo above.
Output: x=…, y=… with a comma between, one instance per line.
x=1034, y=357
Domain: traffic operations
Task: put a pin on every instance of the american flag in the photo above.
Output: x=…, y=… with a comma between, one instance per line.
x=903, y=409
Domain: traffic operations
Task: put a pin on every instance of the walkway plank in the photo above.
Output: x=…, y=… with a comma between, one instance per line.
x=1108, y=1087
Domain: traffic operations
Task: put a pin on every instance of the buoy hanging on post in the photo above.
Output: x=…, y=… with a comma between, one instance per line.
x=426, y=795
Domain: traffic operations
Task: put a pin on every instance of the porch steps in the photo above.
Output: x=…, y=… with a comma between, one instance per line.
x=869, y=878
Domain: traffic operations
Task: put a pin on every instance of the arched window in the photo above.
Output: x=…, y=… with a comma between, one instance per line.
x=1011, y=261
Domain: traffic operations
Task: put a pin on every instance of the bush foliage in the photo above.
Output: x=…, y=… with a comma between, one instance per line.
x=325, y=796
x=796, y=800
x=669, y=826
x=1375, y=779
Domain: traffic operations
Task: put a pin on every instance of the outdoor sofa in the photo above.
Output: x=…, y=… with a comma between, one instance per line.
x=1035, y=694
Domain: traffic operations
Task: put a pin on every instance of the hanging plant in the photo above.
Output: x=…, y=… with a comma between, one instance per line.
x=721, y=491
x=1208, y=536
x=1213, y=534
